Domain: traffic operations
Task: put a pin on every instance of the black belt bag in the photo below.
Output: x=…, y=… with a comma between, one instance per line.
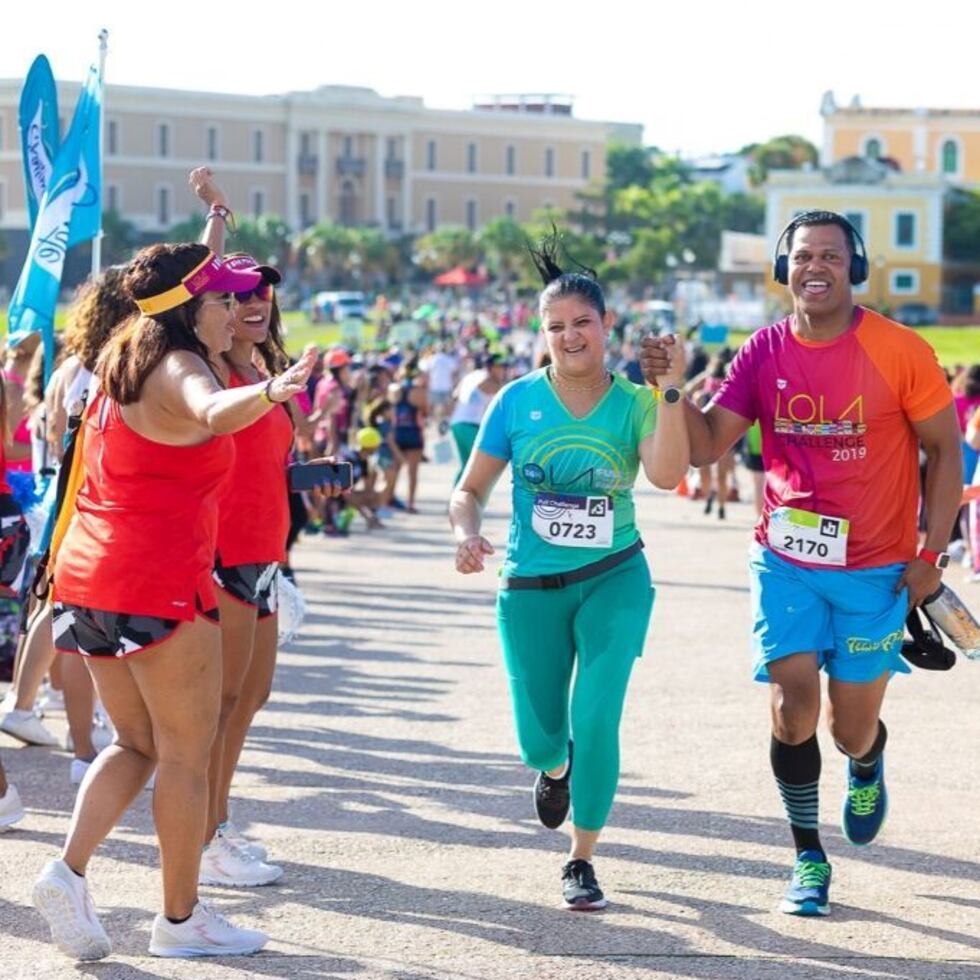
x=576, y=575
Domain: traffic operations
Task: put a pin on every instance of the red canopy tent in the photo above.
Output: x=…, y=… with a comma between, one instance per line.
x=461, y=276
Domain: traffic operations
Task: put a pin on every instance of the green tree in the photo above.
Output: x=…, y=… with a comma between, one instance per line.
x=629, y=166
x=670, y=222
x=504, y=245
x=188, y=230
x=445, y=248
x=961, y=228
x=788, y=152
x=579, y=246
x=646, y=260
x=374, y=257
x=324, y=250
x=266, y=238
x=119, y=238
x=744, y=212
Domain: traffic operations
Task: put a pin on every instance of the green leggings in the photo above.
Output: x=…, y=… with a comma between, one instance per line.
x=464, y=435
x=595, y=629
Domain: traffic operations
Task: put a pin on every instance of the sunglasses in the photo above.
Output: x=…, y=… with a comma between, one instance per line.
x=264, y=291
x=224, y=301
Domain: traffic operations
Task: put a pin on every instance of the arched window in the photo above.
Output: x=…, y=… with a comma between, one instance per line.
x=950, y=157
x=872, y=149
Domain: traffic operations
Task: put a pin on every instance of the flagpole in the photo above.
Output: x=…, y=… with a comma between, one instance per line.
x=97, y=241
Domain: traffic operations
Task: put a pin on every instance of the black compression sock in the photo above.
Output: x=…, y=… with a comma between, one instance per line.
x=797, y=772
x=864, y=768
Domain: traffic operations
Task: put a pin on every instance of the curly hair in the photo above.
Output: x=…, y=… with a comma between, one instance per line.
x=137, y=348
x=34, y=386
x=103, y=306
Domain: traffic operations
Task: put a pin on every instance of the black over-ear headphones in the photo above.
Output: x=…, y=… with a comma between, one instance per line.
x=858, y=272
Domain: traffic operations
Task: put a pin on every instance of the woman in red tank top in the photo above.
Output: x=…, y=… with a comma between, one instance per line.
x=253, y=522
x=133, y=589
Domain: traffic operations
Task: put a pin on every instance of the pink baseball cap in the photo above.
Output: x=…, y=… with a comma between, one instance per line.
x=241, y=262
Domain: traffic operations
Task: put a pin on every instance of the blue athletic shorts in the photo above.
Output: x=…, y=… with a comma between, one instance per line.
x=853, y=620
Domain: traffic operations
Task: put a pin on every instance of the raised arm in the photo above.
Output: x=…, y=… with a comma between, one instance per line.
x=203, y=183
x=666, y=453
x=189, y=390
x=712, y=432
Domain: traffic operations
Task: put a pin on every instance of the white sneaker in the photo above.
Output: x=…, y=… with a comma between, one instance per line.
x=230, y=832
x=78, y=769
x=11, y=809
x=62, y=897
x=26, y=726
x=51, y=699
x=205, y=933
x=224, y=864
x=103, y=732
x=103, y=736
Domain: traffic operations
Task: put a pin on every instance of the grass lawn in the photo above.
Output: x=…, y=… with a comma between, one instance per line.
x=953, y=345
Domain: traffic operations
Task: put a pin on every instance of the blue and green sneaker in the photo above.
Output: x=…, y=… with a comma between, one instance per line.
x=865, y=806
x=809, y=890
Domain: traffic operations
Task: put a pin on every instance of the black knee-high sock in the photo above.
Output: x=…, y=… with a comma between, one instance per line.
x=797, y=772
x=864, y=768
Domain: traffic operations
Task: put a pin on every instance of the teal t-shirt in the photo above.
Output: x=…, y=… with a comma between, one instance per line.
x=563, y=466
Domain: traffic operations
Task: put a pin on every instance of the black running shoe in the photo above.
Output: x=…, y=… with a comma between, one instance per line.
x=552, y=797
x=581, y=890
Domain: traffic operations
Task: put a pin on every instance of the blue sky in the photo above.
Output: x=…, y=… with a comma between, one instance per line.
x=700, y=76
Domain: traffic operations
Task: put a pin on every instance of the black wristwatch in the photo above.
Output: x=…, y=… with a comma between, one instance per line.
x=672, y=395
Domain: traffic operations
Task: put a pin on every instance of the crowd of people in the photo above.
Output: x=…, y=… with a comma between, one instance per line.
x=174, y=403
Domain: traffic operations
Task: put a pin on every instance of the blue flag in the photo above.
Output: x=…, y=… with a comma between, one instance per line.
x=39, y=132
x=70, y=212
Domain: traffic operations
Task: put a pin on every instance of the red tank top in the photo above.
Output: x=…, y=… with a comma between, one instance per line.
x=4, y=485
x=253, y=513
x=143, y=535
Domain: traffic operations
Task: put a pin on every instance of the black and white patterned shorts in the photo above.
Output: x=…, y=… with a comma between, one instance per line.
x=254, y=584
x=15, y=540
x=97, y=633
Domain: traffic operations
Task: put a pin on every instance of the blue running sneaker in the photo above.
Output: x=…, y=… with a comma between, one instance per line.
x=809, y=890
x=865, y=805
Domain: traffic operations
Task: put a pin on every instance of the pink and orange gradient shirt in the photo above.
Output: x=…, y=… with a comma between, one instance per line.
x=836, y=419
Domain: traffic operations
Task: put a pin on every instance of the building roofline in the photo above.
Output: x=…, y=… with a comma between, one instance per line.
x=880, y=111
x=340, y=97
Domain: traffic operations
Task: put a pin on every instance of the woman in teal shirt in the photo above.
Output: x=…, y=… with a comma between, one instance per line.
x=575, y=596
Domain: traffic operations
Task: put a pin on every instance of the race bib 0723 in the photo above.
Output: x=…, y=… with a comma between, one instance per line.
x=809, y=537
x=573, y=522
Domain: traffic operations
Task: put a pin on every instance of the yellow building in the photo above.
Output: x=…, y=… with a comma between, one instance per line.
x=899, y=215
x=944, y=142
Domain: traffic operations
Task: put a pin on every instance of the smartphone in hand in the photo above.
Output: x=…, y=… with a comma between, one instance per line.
x=320, y=473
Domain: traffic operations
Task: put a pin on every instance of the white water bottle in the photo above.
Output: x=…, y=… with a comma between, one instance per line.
x=948, y=612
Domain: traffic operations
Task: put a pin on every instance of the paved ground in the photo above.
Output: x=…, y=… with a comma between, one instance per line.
x=384, y=777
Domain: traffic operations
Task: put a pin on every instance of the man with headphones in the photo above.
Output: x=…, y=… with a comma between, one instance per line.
x=844, y=397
